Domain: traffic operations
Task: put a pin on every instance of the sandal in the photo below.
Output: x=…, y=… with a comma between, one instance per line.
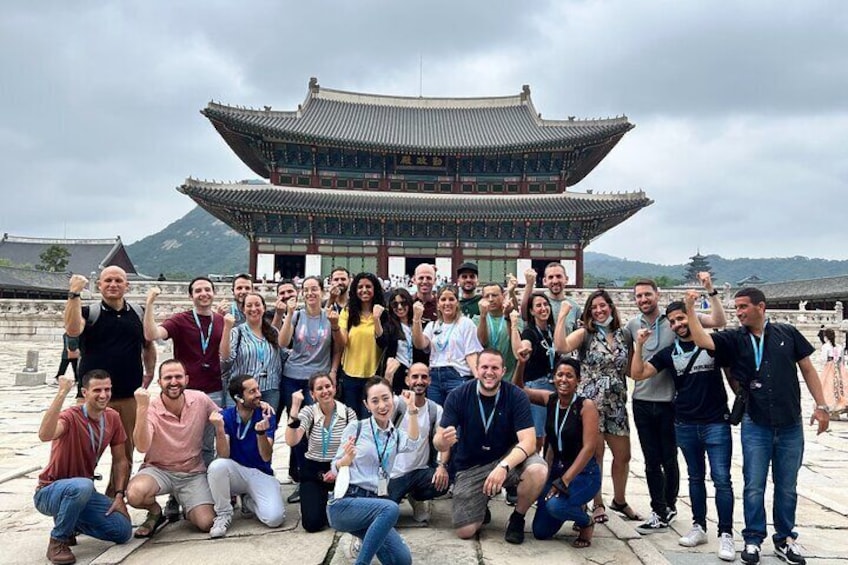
x=625, y=511
x=600, y=517
x=152, y=524
x=582, y=541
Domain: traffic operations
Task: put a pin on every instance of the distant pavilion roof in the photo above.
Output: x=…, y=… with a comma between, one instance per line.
x=808, y=289
x=87, y=255
x=17, y=279
x=433, y=125
x=267, y=198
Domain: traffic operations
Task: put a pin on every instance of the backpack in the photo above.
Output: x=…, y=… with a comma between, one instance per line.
x=312, y=424
x=95, y=309
x=400, y=411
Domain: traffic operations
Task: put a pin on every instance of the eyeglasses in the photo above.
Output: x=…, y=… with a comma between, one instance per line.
x=399, y=304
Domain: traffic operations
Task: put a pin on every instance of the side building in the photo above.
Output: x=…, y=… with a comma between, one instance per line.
x=383, y=183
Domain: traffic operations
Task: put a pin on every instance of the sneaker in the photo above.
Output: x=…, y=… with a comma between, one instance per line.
x=511, y=496
x=220, y=526
x=726, y=547
x=248, y=508
x=294, y=497
x=696, y=536
x=487, y=517
x=58, y=552
x=515, y=529
x=670, y=515
x=172, y=510
x=751, y=554
x=353, y=548
x=652, y=524
x=420, y=509
x=789, y=551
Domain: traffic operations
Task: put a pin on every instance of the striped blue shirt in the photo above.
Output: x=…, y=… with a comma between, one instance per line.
x=251, y=355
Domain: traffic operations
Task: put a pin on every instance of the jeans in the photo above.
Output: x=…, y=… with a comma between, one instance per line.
x=353, y=395
x=228, y=478
x=712, y=440
x=297, y=455
x=417, y=483
x=373, y=521
x=655, y=424
x=539, y=413
x=551, y=514
x=442, y=381
x=76, y=506
x=783, y=448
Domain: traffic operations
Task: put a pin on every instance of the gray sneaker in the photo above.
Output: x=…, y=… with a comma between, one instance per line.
x=420, y=509
x=220, y=526
x=789, y=551
x=726, y=547
x=248, y=507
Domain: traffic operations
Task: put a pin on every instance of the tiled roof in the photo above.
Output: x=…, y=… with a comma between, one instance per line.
x=339, y=118
x=808, y=289
x=15, y=278
x=363, y=204
x=87, y=255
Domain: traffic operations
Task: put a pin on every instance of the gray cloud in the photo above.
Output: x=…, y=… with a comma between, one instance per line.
x=740, y=108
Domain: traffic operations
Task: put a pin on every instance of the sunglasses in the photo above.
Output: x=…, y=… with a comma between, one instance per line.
x=399, y=304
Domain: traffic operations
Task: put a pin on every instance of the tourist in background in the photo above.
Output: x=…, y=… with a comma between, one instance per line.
x=396, y=338
x=603, y=355
x=833, y=383
x=451, y=342
x=359, y=325
x=252, y=349
x=70, y=356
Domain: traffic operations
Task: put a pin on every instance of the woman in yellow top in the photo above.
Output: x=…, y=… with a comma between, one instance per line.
x=359, y=325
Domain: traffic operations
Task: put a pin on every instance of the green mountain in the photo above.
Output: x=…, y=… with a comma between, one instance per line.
x=198, y=243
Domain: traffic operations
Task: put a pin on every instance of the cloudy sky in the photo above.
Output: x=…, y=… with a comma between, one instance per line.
x=740, y=108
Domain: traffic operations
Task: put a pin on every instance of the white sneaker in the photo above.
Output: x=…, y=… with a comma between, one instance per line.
x=248, y=508
x=696, y=536
x=420, y=509
x=353, y=548
x=220, y=526
x=726, y=548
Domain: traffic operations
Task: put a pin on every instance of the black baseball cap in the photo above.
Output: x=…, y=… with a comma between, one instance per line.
x=467, y=266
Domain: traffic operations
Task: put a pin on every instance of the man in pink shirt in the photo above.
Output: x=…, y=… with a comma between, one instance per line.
x=169, y=431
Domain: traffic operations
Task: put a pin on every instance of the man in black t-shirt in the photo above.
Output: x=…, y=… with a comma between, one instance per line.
x=701, y=423
x=489, y=421
x=765, y=357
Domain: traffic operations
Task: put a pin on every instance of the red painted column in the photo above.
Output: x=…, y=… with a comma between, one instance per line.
x=579, y=281
x=254, y=255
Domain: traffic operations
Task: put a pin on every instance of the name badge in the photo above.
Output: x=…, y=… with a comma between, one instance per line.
x=383, y=486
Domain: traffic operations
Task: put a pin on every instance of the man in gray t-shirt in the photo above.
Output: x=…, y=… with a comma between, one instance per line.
x=653, y=411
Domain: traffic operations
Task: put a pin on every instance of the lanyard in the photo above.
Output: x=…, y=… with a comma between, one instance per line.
x=95, y=448
x=239, y=432
x=441, y=346
x=497, y=327
x=487, y=422
x=654, y=327
x=260, y=344
x=204, y=340
x=559, y=425
x=545, y=340
x=327, y=433
x=313, y=339
x=383, y=458
x=407, y=336
x=759, y=346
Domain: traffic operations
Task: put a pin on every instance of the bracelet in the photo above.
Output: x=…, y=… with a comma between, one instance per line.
x=821, y=407
x=414, y=411
x=336, y=329
x=121, y=492
x=294, y=423
x=714, y=292
x=72, y=295
x=526, y=455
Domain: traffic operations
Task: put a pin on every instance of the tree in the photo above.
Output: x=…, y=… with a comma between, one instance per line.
x=698, y=263
x=663, y=281
x=54, y=259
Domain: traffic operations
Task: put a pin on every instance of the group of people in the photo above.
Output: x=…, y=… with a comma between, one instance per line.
x=407, y=395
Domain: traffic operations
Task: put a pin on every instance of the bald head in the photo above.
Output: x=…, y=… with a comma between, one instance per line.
x=418, y=379
x=425, y=277
x=113, y=285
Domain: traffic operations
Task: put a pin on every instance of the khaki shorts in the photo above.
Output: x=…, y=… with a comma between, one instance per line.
x=190, y=489
x=469, y=500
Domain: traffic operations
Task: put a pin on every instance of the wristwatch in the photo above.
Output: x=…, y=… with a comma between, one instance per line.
x=72, y=295
x=713, y=292
x=504, y=465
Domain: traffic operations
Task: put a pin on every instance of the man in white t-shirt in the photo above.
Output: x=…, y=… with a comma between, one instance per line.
x=420, y=475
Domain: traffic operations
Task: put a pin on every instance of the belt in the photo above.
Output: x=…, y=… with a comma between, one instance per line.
x=354, y=491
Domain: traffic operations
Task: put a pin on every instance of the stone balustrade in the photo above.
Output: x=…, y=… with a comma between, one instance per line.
x=41, y=320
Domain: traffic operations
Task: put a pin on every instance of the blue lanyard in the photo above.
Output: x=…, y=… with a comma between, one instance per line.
x=383, y=457
x=499, y=327
x=545, y=340
x=327, y=433
x=654, y=327
x=95, y=448
x=487, y=422
x=260, y=345
x=204, y=340
x=407, y=336
x=758, y=347
x=310, y=338
x=444, y=343
x=239, y=432
x=560, y=424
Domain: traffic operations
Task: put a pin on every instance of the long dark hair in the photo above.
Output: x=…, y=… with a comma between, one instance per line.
x=393, y=325
x=528, y=312
x=268, y=331
x=354, y=304
x=589, y=322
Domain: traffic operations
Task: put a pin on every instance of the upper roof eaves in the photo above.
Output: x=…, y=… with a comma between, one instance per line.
x=336, y=117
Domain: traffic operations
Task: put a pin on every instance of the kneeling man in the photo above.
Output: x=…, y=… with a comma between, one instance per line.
x=79, y=436
x=490, y=423
x=169, y=431
x=244, y=438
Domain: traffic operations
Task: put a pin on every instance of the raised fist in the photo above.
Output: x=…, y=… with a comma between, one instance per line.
x=297, y=400
x=530, y=276
x=153, y=294
x=524, y=351
x=216, y=419
x=263, y=424
x=66, y=383
x=378, y=310
x=514, y=317
x=333, y=317
x=142, y=397
x=417, y=310
x=77, y=283
x=392, y=365
x=223, y=307
x=408, y=398
x=229, y=320
x=291, y=304
x=642, y=336
x=691, y=298
x=484, y=306
x=706, y=280
x=449, y=436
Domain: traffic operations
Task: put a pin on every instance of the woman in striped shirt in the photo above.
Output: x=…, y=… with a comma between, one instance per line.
x=322, y=423
x=252, y=349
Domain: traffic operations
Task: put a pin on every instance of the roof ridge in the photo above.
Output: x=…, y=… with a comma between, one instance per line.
x=60, y=241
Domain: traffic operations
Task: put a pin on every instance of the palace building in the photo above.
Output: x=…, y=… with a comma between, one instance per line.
x=383, y=183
